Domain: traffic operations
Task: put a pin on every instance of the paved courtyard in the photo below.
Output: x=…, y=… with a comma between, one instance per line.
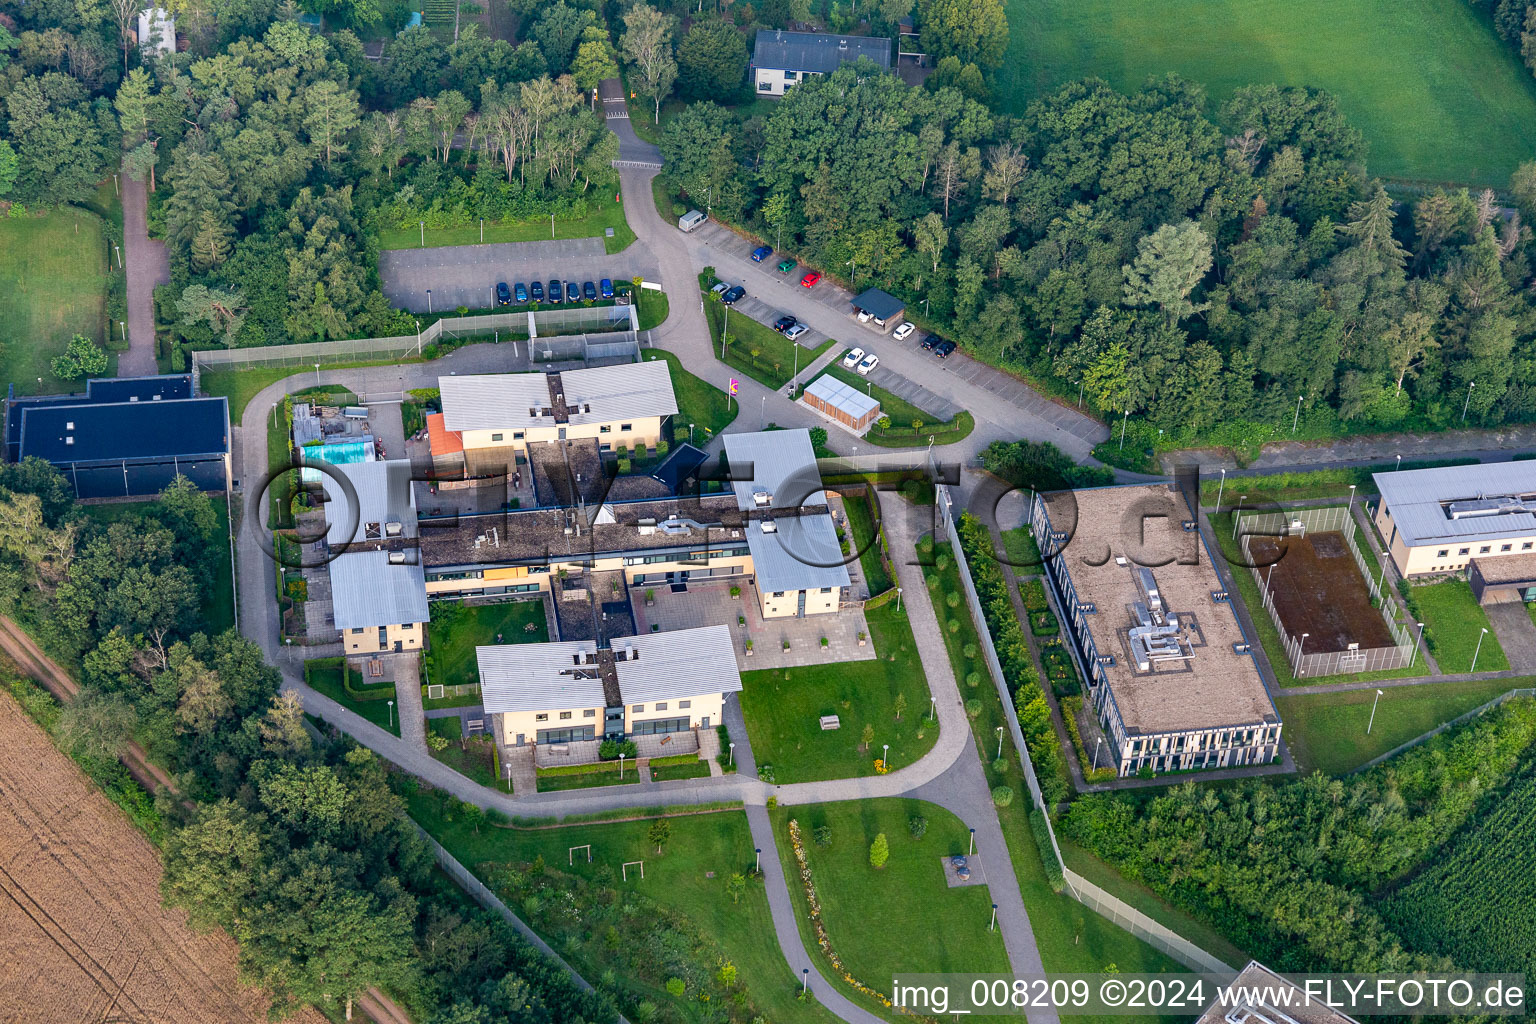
x=466, y=275
x=710, y=604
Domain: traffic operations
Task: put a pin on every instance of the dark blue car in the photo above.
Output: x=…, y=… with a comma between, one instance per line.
x=556, y=291
x=538, y=291
x=761, y=253
x=607, y=288
x=572, y=293
x=589, y=291
x=503, y=294
x=520, y=293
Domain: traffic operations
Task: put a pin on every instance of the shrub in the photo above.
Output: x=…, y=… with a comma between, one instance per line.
x=973, y=679
x=437, y=742
x=952, y=599
x=954, y=625
x=933, y=581
x=973, y=709
x=822, y=835
x=918, y=826
x=1002, y=796
x=879, y=851
x=624, y=467
x=1000, y=765
x=969, y=650
x=609, y=750
x=676, y=988
x=942, y=562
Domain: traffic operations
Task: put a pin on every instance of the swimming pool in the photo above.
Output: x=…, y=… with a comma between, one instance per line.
x=337, y=453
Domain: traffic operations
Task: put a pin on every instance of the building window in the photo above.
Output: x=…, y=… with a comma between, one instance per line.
x=565, y=716
x=626, y=427
x=496, y=437
x=1442, y=553
x=765, y=87
x=606, y=428
x=589, y=713
x=826, y=590
x=789, y=76
x=1506, y=547
x=662, y=706
x=1463, y=551
x=1484, y=549
x=1526, y=546
x=517, y=435
x=684, y=704
x=359, y=629
x=541, y=718
x=637, y=709
x=778, y=593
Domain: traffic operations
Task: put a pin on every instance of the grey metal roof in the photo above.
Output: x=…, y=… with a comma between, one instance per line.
x=880, y=304
x=368, y=590
x=383, y=495
x=682, y=663
x=624, y=391
x=493, y=401
x=1416, y=499
x=778, y=463
x=842, y=395
x=539, y=677
x=799, y=554
x=815, y=51
x=497, y=401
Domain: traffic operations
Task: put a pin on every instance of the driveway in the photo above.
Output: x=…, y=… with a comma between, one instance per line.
x=466, y=275
x=147, y=266
x=1512, y=625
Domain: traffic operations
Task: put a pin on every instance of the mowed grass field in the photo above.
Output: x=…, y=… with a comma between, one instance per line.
x=53, y=285
x=1437, y=94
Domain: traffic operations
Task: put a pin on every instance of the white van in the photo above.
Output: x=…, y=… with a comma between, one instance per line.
x=691, y=220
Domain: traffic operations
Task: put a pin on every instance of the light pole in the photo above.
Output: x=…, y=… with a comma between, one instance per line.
x=1297, y=418
x=993, y=926
x=933, y=708
x=1240, y=499
x=1418, y=643
x=1079, y=393
x=1399, y=464
x=805, y=972
x=1467, y=404
x=999, y=741
x=1478, y=649
x=509, y=777
x=1351, y=508
x=423, y=225
x=1124, y=420
x=732, y=761
x=418, y=337
x=1373, y=712
x=796, y=371
x=973, y=844
x=690, y=433
x=391, y=713
x=1221, y=488
x=1301, y=652
x=123, y=328
x=429, y=301
x=1096, y=747
x=885, y=750
x=621, y=764
x=317, y=375
x=762, y=411
x=898, y=599
x=759, y=867
x=119, y=250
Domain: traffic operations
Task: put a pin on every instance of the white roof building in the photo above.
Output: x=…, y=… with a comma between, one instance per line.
x=157, y=31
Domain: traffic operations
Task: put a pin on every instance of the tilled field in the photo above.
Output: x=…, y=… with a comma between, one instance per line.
x=83, y=935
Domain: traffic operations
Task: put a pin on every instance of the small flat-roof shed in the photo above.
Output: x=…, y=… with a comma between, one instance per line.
x=883, y=306
x=839, y=401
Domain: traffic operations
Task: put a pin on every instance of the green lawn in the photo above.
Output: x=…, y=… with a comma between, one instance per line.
x=53, y=285
x=1326, y=731
x=607, y=215
x=1437, y=95
x=701, y=845
x=903, y=414
x=783, y=709
x=895, y=920
x=1453, y=621
x=472, y=759
x=457, y=629
x=1019, y=545
x=776, y=358
x=324, y=676
x=698, y=402
x=654, y=308
x=861, y=517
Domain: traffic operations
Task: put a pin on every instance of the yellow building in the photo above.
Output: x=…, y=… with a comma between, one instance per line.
x=649, y=685
x=498, y=416
x=1441, y=520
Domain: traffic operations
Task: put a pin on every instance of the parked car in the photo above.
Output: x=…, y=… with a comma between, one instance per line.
x=720, y=288
x=572, y=293
x=932, y=342
x=785, y=266
x=691, y=220
x=731, y=296
x=520, y=292
x=852, y=358
x=537, y=289
x=783, y=323
x=503, y=294
x=869, y=363
x=761, y=253
x=556, y=290
x=589, y=291
x=944, y=349
x=863, y=316
x=606, y=287
x=795, y=330
x=904, y=332
x=809, y=280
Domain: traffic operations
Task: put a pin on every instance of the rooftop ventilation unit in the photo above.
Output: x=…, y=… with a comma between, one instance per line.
x=762, y=498
x=397, y=558
x=770, y=526
x=69, y=425
x=393, y=529
x=1479, y=507
x=1157, y=635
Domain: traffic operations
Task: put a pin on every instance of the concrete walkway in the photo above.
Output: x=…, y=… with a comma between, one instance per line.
x=147, y=266
x=1512, y=625
x=413, y=724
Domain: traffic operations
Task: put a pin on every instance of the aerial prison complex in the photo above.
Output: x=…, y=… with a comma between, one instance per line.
x=1172, y=680
x=588, y=534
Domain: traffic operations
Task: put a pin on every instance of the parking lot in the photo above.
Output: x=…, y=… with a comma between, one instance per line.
x=466, y=275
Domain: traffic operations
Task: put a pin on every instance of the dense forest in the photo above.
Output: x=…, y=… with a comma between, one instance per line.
x=298, y=849
x=1213, y=272
x=1292, y=872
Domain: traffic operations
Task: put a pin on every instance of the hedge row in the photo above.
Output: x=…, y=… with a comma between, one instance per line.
x=671, y=759
x=1013, y=654
x=583, y=769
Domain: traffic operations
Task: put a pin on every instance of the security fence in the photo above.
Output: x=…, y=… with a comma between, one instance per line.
x=1298, y=523
x=1078, y=887
x=564, y=337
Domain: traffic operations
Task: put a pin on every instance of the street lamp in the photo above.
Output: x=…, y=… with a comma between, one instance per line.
x=1079, y=393
x=1096, y=747
x=999, y=741
x=973, y=844
x=993, y=926
x=423, y=225
x=1418, y=643
x=119, y=251
x=1399, y=464
x=898, y=599
x=1222, y=488
x=391, y=713
x=1301, y=649
x=1478, y=648
x=1351, y=509
x=885, y=750
x=1373, y=712
x=124, y=329
x=1468, y=402
x=1297, y=418
x=933, y=708
x=732, y=761
x=1240, y=499
x=759, y=852
x=1124, y=420
x=762, y=411
x=317, y=374
x=621, y=764
x=429, y=300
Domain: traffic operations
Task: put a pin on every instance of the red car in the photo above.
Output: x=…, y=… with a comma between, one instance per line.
x=809, y=280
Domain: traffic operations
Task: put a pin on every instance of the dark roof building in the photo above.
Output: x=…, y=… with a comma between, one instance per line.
x=125, y=438
x=780, y=59
x=883, y=306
